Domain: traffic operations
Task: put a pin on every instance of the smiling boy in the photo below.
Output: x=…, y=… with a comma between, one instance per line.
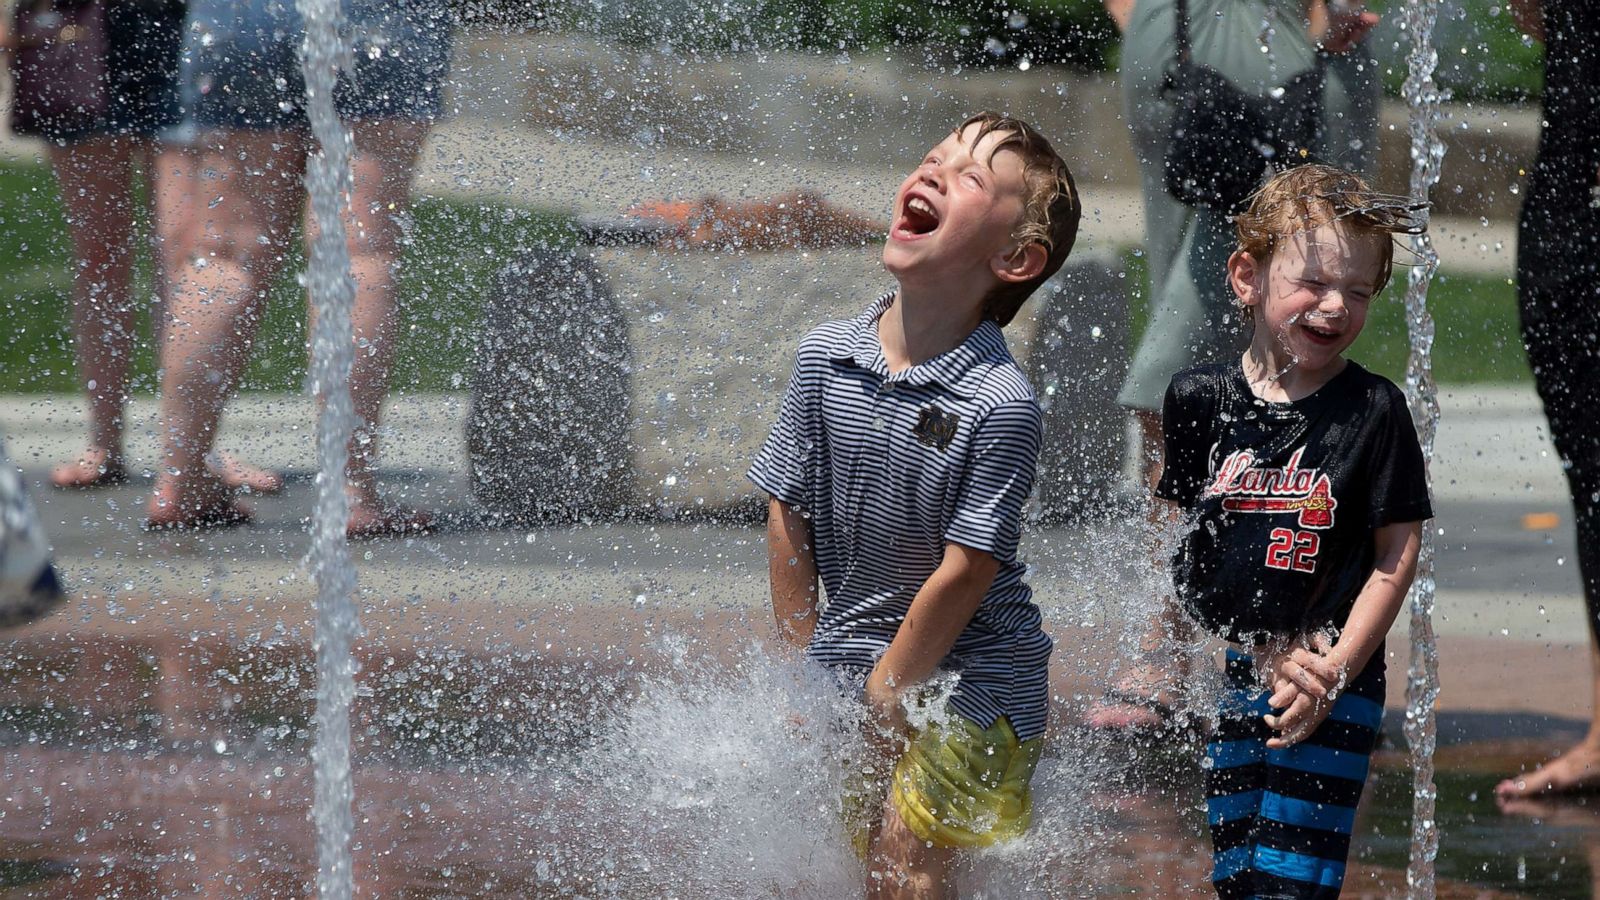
x=898, y=468
x=1305, y=494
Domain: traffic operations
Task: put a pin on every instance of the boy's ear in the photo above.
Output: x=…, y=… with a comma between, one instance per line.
x=1243, y=270
x=1022, y=264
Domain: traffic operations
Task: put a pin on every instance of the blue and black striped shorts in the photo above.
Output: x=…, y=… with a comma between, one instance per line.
x=1281, y=819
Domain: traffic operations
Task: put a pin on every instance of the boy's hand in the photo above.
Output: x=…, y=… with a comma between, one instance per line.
x=1306, y=681
x=887, y=727
x=887, y=709
x=1303, y=717
x=1346, y=28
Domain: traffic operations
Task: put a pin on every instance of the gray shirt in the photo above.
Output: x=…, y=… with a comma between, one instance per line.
x=892, y=468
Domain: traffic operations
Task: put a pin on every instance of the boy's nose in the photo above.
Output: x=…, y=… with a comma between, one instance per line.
x=1332, y=306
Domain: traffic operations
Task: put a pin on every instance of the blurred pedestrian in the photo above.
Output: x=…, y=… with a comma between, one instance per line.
x=245, y=93
x=1558, y=291
x=97, y=80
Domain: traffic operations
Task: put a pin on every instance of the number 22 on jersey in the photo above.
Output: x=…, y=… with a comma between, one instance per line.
x=1296, y=550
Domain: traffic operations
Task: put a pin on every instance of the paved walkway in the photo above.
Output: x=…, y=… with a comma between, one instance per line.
x=545, y=168
x=499, y=163
x=1508, y=604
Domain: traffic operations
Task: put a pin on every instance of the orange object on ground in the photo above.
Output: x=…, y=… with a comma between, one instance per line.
x=797, y=219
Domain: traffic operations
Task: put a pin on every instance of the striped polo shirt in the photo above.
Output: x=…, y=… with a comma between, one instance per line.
x=891, y=468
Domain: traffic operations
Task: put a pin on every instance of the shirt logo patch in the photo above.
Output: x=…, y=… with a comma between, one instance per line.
x=1246, y=487
x=936, y=428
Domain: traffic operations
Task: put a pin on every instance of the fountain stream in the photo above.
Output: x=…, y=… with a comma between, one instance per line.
x=332, y=293
x=1422, y=678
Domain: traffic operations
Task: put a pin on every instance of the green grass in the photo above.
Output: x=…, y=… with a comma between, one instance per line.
x=455, y=251
x=1475, y=324
x=1483, y=55
x=1476, y=331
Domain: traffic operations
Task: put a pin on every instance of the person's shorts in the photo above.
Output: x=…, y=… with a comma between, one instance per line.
x=142, y=42
x=241, y=62
x=959, y=785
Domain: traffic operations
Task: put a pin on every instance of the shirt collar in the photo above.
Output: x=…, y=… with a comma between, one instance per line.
x=958, y=369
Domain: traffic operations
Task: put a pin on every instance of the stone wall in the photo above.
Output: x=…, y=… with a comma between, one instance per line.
x=623, y=379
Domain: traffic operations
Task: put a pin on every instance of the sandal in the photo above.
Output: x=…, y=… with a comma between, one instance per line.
x=225, y=515
x=83, y=472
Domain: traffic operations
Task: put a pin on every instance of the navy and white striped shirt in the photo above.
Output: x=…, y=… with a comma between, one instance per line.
x=891, y=469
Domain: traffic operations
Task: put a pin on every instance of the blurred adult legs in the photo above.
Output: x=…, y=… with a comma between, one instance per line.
x=96, y=176
x=249, y=183
x=385, y=158
x=182, y=214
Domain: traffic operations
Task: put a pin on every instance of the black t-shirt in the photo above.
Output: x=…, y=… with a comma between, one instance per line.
x=1285, y=497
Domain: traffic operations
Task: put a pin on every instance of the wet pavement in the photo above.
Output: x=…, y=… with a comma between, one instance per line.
x=156, y=729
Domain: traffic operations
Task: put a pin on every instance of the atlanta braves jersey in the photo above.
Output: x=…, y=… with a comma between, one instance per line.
x=893, y=467
x=1284, y=497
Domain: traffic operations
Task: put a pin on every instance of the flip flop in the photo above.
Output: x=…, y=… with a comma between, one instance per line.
x=228, y=515
x=80, y=475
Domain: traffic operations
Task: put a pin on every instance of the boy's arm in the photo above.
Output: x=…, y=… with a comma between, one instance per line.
x=938, y=614
x=792, y=571
x=1120, y=11
x=1317, y=675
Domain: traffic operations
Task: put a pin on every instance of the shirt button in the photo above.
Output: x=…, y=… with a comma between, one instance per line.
x=878, y=424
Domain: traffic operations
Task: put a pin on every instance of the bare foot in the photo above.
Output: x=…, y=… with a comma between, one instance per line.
x=1576, y=770
x=1563, y=811
x=94, y=467
x=208, y=504
x=239, y=475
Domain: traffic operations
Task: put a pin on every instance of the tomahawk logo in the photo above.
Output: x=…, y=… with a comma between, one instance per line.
x=1246, y=487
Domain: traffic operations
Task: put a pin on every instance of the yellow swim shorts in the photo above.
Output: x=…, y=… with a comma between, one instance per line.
x=959, y=785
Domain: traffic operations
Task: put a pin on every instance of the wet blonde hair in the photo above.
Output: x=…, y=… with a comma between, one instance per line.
x=1050, y=206
x=1307, y=197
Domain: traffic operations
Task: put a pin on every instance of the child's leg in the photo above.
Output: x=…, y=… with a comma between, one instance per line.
x=1309, y=805
x=956, y=786
x=1236, y=774
x=902, y=866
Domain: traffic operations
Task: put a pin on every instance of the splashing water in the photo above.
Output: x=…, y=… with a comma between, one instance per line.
x=332, y=293
x=729, y=779
x=1422, y=676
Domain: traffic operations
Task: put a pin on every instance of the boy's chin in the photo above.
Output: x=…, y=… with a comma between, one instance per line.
x=902, y=261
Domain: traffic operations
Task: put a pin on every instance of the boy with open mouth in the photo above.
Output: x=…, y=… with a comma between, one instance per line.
x=904, y=451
